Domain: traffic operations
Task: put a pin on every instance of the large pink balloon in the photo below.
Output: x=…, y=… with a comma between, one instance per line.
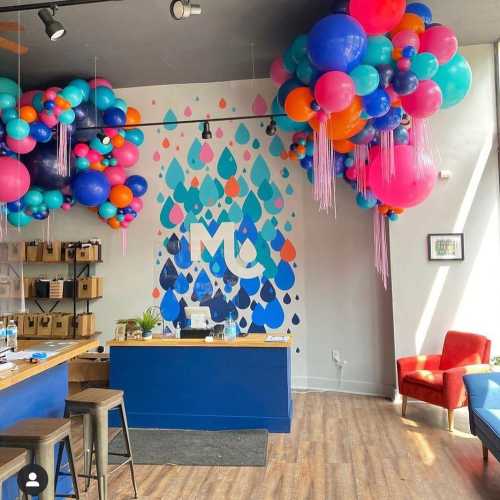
x=377, y=16
x=440, y=41
x=99, y=82
x=127, y=155
x=334, y=91
x=279, y=74
x=406, y=188
x=21, y=146
x=115, y=175
x=406, y=38
x=14, y=179
x=425, y=101
x=27, y=97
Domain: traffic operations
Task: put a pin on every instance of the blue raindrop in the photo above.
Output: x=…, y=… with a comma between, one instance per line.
x=174, y=175
x=274, y=314
x=202, y=287
x=181, y=284
x=168, y=275
x=278, y=241
x=268, y=292
x=259, y=315
x=244, y=189
x=256, y=328
x=260, y=171
x=243, y=323
x=251, y=285
x=276, y=147
x=242, y=299
x=295, y=319
x=183, y=257
x=193, y=157
x=173, y=246
x=285, y=277
x=169, y=306
x=287, y=299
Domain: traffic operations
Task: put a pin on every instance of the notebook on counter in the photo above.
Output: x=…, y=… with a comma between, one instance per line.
x=277, y=338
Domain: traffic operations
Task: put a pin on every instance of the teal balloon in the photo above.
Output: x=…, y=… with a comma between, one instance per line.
x=7, y=101
x=120, y=218
x=104, y=149
x=424, y=65
x=305, y=72
x=53, y=199
x=102, y=97
x=9, y=114
x=38, y=101
x=107, y=210
x=455, y=80
x=82, y=163
x=299, y=48
x=288, y=61
x=73, y=95
x=67, y=117
x=366, y=79
x=378, y=51
x=83, y=86
x=120, y=104
x=135, y=136
x=284, y=123
x=18, y=129
x=19, y=219
x=8, y=86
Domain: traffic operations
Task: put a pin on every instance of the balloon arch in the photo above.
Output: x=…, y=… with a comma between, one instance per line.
x=357, y=91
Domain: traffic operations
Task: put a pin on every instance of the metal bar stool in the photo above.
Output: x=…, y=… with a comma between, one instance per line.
x=40, y=436
x=95, y=405
x=12, y=460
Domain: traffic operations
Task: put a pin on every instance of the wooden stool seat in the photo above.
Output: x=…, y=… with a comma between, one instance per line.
x=50, y=430
x=104, y=398
x=12, y=460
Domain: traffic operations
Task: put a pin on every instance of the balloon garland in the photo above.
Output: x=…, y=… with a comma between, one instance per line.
x=69, y=145
x=357, y=91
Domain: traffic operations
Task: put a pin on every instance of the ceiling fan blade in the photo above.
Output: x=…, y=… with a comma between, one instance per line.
x=10, y=26
x=12, y=46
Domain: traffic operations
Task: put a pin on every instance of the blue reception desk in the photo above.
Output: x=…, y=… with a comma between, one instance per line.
x=191, y=384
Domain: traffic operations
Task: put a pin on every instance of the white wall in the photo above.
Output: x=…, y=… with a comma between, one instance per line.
x=430, y=298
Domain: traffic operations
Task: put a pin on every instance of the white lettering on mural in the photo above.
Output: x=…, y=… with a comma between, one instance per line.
x=200, y=237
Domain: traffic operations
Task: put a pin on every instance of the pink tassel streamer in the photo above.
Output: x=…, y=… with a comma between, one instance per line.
x=63, y=146
x=124, y=241
x=422, y=145
x=381, y=250
x=387, y=152
x=3, y=221
x=361, y=160
x=324, y=186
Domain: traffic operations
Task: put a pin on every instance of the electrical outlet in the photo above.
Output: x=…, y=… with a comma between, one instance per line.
x=335, y=356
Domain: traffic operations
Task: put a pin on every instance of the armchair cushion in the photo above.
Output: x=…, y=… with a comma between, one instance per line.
x=433, y=379
x=490, y=418
x=414, y=363
x=462, y=349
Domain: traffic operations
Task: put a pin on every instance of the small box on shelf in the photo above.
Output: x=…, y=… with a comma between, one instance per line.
x=30, y=324
x=88, y=287
x=85, y=325
x=51, y=251
x=61, y=324
x=44, y=325
x=34, y=251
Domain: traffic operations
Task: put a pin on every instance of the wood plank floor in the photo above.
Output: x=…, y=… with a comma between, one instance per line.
x=341, y=447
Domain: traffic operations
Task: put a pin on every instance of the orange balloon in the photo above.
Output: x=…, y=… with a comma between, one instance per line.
x=383, y=209
x=93, y=209
x=298, y=104
x=397, y=54
x=133, y=116
x=398, y=210
x=28, y=114
x=118, y=141
x=293, y=156
x=114, y=222
x=301, y=149
x=120, y=196
x=344, y=146
x=62, y=103
x=97, y=166
x=410, y=22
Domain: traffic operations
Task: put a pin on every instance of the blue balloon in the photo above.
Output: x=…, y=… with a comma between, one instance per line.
x=404, y=82
x=121, y=104
x=366, y=135
x=87, y=116
x=337, y=43
x=392, y=216
x=401, y=135
x=114, y=117
x=284, y=123
x=389, y=121
x=15, y=206
x=102, y=97
x=306, y=162
x=41, y=215
x=40, y=132
x=91, y=188
x=366, y=202
x=377, y=103
x=286, y=88
x=137, y=184
x=339, y=164
x=422, y=10
x=135, y=136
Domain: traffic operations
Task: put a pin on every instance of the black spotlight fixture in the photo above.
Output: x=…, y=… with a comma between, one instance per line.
x=271, y=128
x=182, y=9
x=206, y=134
x=54, y=29
x=105, y=140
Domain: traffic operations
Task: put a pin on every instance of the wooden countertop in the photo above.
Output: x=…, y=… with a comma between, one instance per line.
x=27, y=370
x=253, y=340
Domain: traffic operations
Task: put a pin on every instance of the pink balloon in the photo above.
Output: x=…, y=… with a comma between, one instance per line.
x=425, y=101
x=22, y=146
x=124, y=224
x=14, y=179
x=351, y=174
x=136, y=204
x=66, y=207
x=27, y=97
x=57, y=111
x=406, y=38
x=279, y=74
x=129, y=217
x=407, y=188
x=49, y=120
x=404, y=64
x=334, y=91
x=115, y=175
x=81, y=150
x=298, y=136
x=377, y=16
x=99, y=82
x=93, y=156
x=50, y=95
x=111, y=132
x=440, y=41
x=127, y=155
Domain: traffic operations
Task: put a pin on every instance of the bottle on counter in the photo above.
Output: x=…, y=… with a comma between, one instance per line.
x=177, y=330
x=11, y=334
x=230, y=328
x=3, y=335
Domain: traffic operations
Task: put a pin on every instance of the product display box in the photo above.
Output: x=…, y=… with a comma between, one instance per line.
x=34, y=251
x=89, y=287
x=52, y=251
x=85, y=325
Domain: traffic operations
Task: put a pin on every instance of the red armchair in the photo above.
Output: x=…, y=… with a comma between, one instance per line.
x=438, y=378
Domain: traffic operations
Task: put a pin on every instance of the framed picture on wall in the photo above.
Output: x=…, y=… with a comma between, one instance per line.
x=445, y=246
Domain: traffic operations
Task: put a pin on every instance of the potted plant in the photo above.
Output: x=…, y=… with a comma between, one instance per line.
x=147, y=322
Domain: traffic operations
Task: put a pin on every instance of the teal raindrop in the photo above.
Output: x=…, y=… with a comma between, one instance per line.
x=170, y=117
x=242, y=135
x=208, y=192
x=193, y=157
x=174, y=175
x=251, y=207
x=226, y=166
x=276, y=147
x=260, y=171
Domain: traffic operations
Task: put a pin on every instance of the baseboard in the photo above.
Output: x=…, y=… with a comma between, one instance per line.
x=345, y=386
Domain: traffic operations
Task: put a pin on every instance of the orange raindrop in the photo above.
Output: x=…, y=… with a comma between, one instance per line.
x=222, y=103
x=232, y=188
x=288, y=252
x=165, y=143
x=155, y=293
x=195, y=182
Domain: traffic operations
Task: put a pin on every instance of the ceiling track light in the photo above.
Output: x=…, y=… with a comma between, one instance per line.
x=206, y=134
x=50, y=5
x=54, y=29
x=182, y=9
x=271, y=128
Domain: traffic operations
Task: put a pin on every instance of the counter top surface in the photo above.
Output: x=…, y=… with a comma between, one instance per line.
x=253, y=340
x=26, y=370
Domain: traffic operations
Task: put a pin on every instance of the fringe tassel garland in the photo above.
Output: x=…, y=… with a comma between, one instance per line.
x=387, y=152
x=63, y=147
x=124, y=241
x=361, y=161
x=323, y=170
x=422, y=145
x=381, y=250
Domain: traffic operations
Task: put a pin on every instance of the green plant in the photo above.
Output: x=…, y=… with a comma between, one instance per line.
x=495, y=361
x=148, y=320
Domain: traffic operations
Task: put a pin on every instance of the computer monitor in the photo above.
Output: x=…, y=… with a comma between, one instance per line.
x=198, y=316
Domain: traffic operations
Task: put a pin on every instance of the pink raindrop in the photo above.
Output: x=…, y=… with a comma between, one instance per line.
x=156, y=156
x=176, y=215
x=206, y=153
x=259, y=106
x=219, y=133
x=188, y=111
x=247, y=156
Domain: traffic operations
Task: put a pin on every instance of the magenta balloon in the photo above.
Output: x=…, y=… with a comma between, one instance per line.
x=22, y=146
x=136, y=204
x=14, y=179
x=115, y=175
x=99, y=82
x=406, y=188
x=279, y=74
x=49, y=120
x=440, y=41
x=127, y=155
x=27, y=98
x=377, y=16
x=425, y=101
x=406, y=38
x=334, y=91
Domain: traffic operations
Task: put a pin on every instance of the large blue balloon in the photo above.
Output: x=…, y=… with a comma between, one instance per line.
x=337, y=43
x=42, y=166
x=377, y=103
x=137, y=184
x=389, y=121
x=91, y=188
x=86, y=115
x=404, y=82
x=40, y=132
x=114, y=117
x=15, y=206
x=422, y=10
x=286, y=88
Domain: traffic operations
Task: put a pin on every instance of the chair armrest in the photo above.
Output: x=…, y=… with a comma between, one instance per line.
x=413, y=363
x=483, y=390
x=453, y=383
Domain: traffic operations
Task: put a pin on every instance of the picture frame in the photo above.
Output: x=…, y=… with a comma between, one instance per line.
x=445, y=247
